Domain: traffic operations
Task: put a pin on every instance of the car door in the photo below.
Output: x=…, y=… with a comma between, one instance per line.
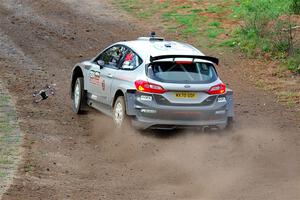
x=102, y=77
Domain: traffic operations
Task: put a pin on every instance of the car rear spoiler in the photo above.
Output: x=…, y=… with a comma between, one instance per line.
x=208, y=58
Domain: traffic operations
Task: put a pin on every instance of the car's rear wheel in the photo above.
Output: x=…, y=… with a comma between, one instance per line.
x=119, y=113
x=78, y=96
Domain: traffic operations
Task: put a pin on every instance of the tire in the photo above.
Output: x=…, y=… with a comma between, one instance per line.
x=78, y=96
x=119, y=113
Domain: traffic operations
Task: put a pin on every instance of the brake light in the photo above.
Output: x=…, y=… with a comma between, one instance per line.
x=183, y=62
x=217, y=89
x=145, y=86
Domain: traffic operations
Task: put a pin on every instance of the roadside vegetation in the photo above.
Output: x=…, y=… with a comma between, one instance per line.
x=267, y=30
x=10, y=140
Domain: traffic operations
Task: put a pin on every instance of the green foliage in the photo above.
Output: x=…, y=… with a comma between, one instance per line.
x=263, y=29
x=214, y=32
x=190, y=30
x=2, y=174
x=216, y=24
x=5, y=127
x=129, y=5
x=215, y=9
x=197, y=10
x=5, y=160
x=187, y=20
x=296, y=6
x=144, y=14
x=257, y=14
x=184, y=6
x=294, y=63
x=169, y=15
x=229, y=43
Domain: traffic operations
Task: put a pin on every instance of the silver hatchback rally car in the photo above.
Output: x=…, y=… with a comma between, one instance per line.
x=154, y=84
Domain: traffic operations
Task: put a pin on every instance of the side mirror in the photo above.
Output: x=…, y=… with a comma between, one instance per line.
x=100, y=63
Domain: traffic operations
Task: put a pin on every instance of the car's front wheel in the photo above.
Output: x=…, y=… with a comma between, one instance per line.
x=119, y=112
x=78, y=96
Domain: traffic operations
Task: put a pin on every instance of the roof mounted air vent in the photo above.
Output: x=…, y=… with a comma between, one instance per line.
x=152, y=37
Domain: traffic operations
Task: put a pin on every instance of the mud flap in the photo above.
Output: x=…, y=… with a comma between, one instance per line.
x=130, y=101
x=230, y=103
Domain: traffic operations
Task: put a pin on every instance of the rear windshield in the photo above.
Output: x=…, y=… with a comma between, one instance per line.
x=171, y=72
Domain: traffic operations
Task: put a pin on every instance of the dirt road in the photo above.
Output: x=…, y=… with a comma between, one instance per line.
x=83, y=157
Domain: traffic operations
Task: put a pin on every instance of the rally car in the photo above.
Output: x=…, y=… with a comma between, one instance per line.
x=152, y=83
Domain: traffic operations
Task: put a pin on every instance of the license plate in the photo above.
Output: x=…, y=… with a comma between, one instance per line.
x=186, y=95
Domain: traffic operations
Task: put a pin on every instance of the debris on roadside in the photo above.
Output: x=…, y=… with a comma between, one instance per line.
x=44, y=93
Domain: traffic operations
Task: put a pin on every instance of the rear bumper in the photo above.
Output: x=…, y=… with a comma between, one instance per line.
x=149, y=114
x=172, y=124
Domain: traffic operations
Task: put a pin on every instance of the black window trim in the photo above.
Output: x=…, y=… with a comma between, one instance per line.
x=150, y=64
x=116, y=45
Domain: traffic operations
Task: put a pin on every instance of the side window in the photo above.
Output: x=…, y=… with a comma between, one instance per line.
x=112, y=56
x=130, y=61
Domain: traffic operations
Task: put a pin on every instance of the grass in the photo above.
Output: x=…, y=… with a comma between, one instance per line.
x=293, y=63
x=260, y=84
x=215, y=9
x=188, y=18
x=215, y=24
x=196, y=10
x=290, y=98
x=5, y=127
x=184, y=6
x=2, y=174
x=9, y=139
x=228, y=43
x=4, y=100
x=214, y=32
x=28, y=168
x=6, y=160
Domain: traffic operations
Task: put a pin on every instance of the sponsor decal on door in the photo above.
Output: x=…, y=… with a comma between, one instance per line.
x=95, y=78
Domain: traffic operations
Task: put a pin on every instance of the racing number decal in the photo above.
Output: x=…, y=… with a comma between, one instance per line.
x=95, y=77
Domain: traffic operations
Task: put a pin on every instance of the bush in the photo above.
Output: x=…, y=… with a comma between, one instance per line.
x=267, y=28
x=294, y=63
x=296, y=7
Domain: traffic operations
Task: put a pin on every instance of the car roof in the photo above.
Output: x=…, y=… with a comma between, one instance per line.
x=145, y=48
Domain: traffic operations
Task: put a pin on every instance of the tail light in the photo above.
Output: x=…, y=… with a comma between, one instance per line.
x=217, y=89
x=145, y=86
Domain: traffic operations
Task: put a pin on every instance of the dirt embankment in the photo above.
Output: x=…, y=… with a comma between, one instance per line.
x=83, y=157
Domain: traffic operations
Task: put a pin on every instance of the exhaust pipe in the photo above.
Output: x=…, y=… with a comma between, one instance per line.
x=210, y=128
x=205, y=129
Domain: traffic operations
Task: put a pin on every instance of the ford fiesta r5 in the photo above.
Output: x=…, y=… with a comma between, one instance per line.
x=153, y=84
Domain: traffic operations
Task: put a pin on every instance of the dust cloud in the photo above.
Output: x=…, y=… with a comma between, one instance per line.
x=245, y=163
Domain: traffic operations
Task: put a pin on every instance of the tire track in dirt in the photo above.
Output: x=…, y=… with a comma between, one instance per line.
x=83, y=157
